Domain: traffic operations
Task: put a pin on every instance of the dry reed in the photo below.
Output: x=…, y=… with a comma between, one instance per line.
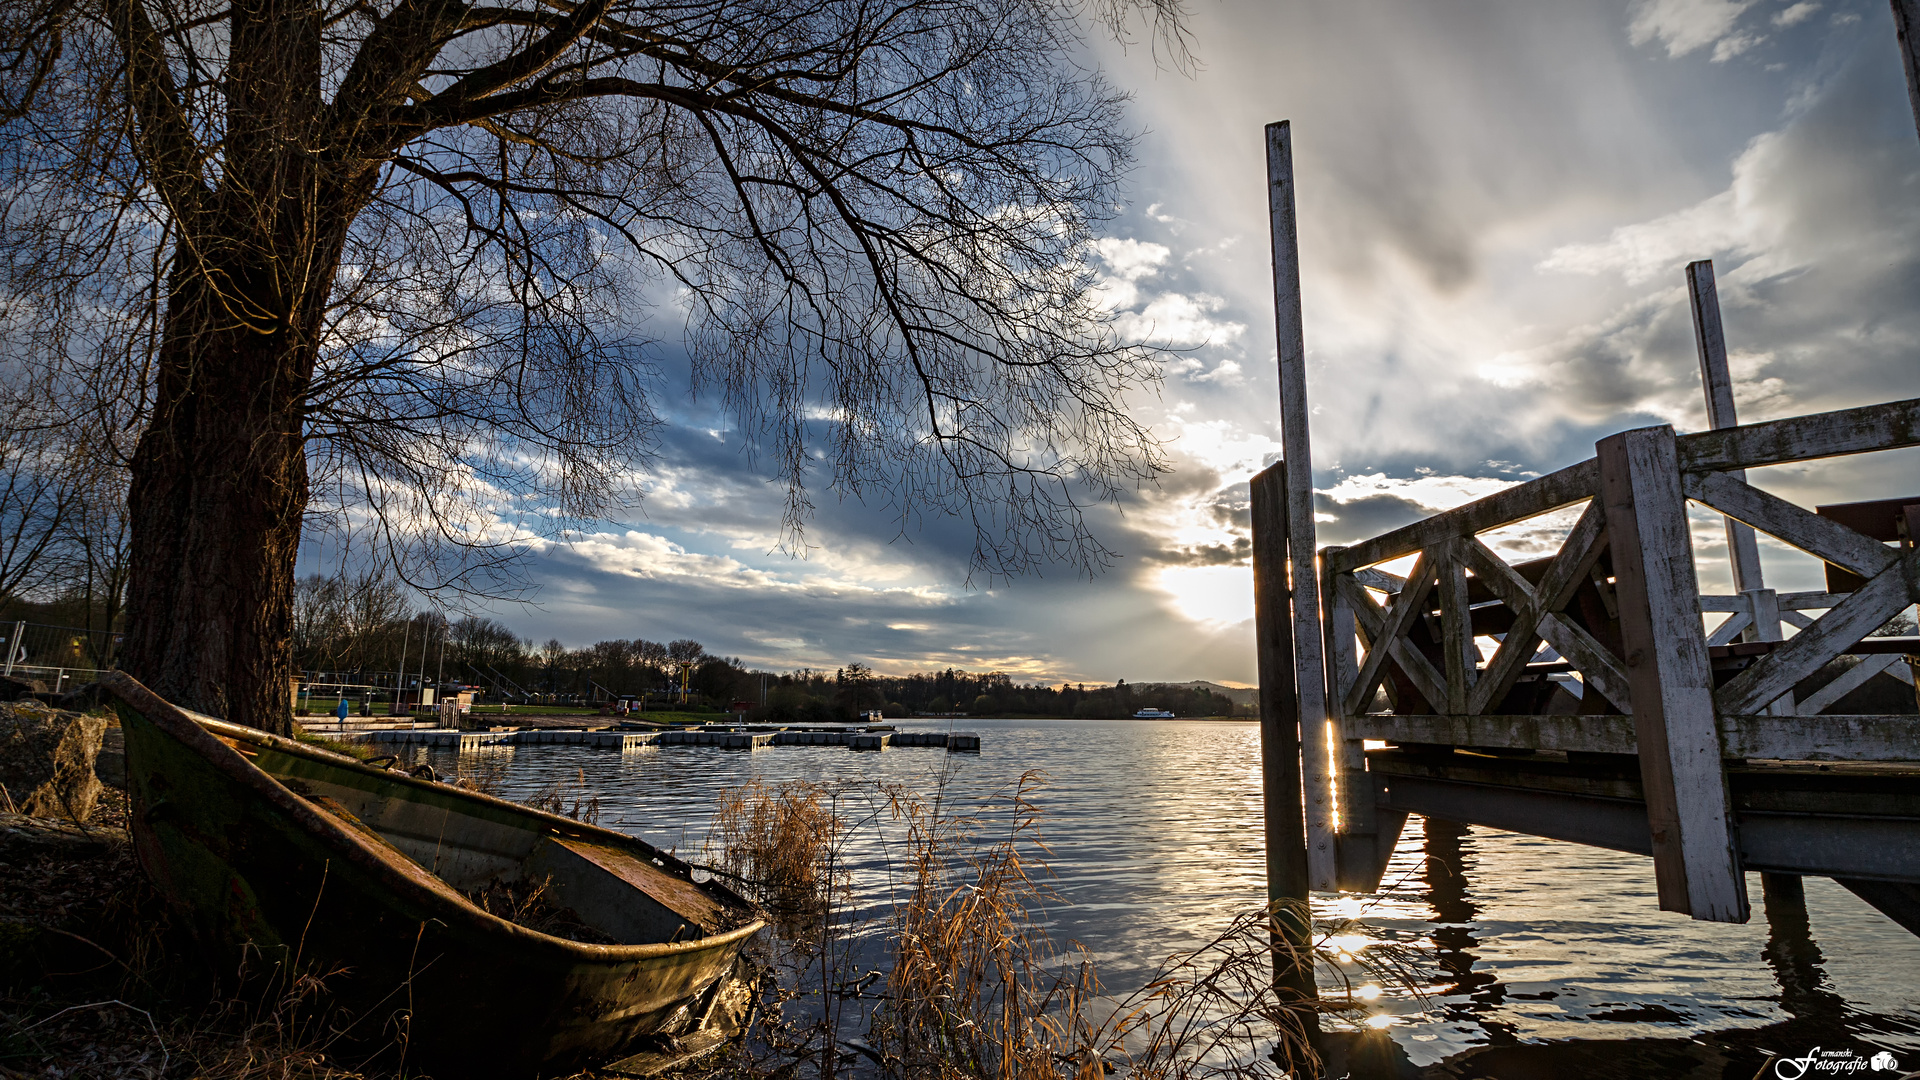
x=780, y=843
x=972, y=988
x=575, y=800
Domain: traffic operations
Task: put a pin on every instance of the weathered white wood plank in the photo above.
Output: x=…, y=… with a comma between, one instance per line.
x=1598, y=669
x=1343, y=658
x=1456, y=628
x=1317, y=725
x=1696, y=864
x=1531, y=499
x=1803, y=438
x=1717, y=381
x=1862, y=612
x=1788, y=601
x=1373, y=577
x=1893, y=737
x=1850, y=680
x=1576, y=555
x=1730, y=629
x=1404, y=609
x=1802, y=601
x=1608, y=734
x=1820, y=537
x=1413, y=663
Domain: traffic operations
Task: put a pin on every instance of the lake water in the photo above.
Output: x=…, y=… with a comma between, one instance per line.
x=1540, y=959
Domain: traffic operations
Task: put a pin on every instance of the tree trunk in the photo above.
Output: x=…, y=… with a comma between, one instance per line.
x=220, y=476
x=219, y=486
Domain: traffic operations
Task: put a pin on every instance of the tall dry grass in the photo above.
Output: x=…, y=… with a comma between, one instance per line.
x=576, y=800
x=781, y=843
x=970, y=986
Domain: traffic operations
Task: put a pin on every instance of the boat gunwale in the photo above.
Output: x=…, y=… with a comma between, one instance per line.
x=405, y=876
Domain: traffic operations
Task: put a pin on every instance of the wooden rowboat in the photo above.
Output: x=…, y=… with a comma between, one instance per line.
x=328, y=866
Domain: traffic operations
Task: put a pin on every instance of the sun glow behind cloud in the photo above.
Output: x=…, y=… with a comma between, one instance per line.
x=1216, y=595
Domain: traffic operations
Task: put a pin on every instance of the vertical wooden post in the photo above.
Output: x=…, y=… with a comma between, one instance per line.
x=1694, y=858
x=1456, y=631
x=1717, y=381
x=1357, y=848
x=1906, y=23
x=1317, y=733
x=1287, y=890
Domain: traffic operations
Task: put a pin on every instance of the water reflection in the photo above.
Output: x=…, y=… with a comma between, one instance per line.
x=1472, y=995
x=1535, y=946
x=1791, y=952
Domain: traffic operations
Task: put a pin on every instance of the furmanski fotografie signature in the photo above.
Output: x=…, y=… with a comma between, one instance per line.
x=1818, y=1063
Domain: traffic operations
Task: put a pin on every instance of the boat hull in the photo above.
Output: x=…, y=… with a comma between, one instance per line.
x=419, y=971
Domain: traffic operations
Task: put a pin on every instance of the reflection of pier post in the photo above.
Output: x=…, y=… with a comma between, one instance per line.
x=1792, y=953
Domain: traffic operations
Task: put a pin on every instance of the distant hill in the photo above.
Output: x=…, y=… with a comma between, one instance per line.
x=1239, y=695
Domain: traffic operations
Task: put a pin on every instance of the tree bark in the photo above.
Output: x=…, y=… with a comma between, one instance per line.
x=219, y=486
x=219, y=481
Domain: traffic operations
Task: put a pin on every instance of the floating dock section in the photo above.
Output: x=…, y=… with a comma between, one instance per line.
x=722, y=738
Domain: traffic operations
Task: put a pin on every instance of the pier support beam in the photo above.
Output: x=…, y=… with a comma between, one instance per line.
x=1288, y=896
x=1695, y=860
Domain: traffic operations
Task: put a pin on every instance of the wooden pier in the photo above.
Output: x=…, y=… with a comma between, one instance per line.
x=1596, y=696
x=724, y=738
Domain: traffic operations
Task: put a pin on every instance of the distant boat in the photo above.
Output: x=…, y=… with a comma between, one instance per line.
x=1153, y=714
x=306, y=855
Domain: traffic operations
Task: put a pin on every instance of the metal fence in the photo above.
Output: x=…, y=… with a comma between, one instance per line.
x=62, y=657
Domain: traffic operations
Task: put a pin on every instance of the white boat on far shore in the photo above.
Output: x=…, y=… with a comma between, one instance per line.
x=1154, y=714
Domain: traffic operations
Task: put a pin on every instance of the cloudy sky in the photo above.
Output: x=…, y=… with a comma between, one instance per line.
x=1496, y=203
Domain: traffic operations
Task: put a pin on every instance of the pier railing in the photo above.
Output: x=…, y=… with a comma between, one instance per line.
x=1602, y=648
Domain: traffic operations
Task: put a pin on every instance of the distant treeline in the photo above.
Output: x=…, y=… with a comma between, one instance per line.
x=362, y=630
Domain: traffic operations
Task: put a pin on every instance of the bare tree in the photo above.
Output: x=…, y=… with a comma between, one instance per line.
x=39, y=496
x=352, y=622
x=387, y=265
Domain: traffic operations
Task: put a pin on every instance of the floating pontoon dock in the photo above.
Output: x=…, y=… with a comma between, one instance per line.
x=725, y=738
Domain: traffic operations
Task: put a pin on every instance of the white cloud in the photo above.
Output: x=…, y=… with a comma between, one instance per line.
x=1130, y=260
x=1796, y=14
x=1226, y=371
x=1181, y=321
x=1432, y=492
x=1685, y=25
x=1650, y=249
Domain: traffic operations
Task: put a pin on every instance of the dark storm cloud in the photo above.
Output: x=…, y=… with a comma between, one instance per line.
x=1496, y=203
x=1361, y=518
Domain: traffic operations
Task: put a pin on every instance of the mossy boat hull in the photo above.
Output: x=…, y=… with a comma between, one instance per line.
x=301, y=857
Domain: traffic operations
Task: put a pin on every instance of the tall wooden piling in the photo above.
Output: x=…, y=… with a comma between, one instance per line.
x=1743, y=548
x=1288, y=895
x=1317, y=735
x=1675, y=722
x=1716, y=380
